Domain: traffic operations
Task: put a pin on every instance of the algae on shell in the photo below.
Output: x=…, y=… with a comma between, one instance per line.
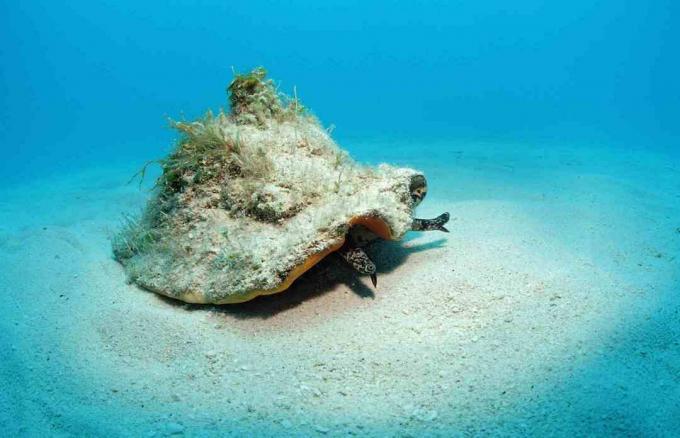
x=251, y=199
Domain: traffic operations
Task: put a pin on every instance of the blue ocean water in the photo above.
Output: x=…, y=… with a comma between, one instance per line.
x=505, y=105
x=89, y=82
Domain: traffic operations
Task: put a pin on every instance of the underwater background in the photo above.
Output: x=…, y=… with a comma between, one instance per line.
x=549, y=130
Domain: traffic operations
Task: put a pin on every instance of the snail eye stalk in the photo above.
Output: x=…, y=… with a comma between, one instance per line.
x=418, y=189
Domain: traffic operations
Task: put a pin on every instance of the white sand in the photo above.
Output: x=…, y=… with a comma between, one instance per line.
x=551, y=307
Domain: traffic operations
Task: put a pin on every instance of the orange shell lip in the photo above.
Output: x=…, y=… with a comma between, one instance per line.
x=373, y=223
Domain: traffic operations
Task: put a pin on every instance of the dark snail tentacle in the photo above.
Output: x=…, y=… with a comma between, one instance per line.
x=359, y=260
x=431, y=224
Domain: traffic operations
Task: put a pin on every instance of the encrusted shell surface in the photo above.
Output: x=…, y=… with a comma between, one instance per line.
x=247, y=204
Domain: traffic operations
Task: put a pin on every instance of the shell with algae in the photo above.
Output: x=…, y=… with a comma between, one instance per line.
x=250, y=200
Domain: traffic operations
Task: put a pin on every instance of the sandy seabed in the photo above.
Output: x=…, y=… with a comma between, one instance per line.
x=552, y=307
